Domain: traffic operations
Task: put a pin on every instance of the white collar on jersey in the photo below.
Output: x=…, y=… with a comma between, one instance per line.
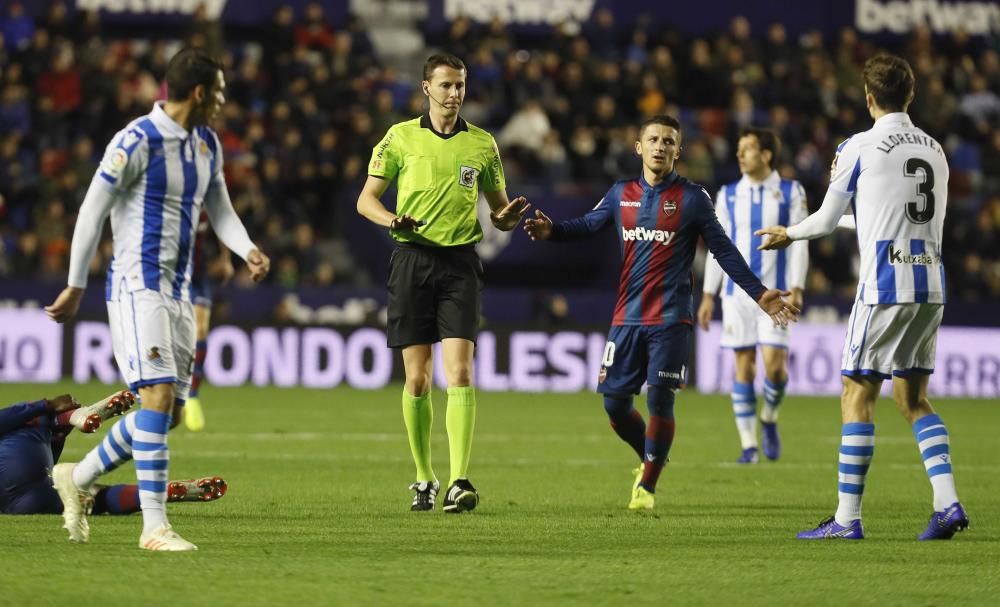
x=166, y=123
x=893, y=119
x=771, y=181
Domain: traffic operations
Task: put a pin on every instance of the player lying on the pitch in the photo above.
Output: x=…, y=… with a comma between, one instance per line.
x=32, y=436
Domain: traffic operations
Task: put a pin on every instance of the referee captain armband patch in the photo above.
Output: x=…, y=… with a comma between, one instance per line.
x=467, y=176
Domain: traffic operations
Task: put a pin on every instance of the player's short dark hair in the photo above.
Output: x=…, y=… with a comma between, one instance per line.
x=890, y=81
x=189, y=68
x=662, y=120
x=767, y=139
x=440, y=59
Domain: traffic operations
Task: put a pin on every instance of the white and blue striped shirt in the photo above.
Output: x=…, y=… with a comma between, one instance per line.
x=894, y=177
x=744, y=207
x=154, y=180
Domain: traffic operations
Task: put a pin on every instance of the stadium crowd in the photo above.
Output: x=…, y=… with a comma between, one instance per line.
x=308, y=101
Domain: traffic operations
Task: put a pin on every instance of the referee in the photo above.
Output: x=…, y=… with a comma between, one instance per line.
x=442, y=163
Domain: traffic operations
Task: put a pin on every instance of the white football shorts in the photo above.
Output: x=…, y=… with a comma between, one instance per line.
x=891, y=340
x=745, y=325
x=153, y=336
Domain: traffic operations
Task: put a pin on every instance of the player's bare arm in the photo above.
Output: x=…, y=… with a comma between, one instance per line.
x=796, y=298
x=539, y=227
x=705, y=310
x=370, y=206
x=504, y=213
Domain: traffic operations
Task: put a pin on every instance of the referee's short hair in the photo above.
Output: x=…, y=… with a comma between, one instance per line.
x=662, y=120
x=189, y=68
x=767, y=139
x=440, y=59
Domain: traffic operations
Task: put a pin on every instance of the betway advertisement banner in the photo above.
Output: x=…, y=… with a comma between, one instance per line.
x=873, y=17
x=34, y=349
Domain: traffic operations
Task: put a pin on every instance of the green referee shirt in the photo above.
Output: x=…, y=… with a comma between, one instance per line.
x=439, y=178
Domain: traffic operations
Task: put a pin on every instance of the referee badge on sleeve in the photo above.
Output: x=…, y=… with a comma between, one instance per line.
x=467, y=176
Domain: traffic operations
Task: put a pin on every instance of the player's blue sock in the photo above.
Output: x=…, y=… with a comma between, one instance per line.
x=745, y=411
x=935, y=448
x=113, y=451
x=117, y=499
x=773, y=393
x=857, y=445
x=626, y=422
x=659, y=434
x=200, y=348
x=149, y=447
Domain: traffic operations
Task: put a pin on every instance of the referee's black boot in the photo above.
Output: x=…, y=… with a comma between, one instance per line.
x=461, y=497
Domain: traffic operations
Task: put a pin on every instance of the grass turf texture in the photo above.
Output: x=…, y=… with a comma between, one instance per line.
x=318, y=511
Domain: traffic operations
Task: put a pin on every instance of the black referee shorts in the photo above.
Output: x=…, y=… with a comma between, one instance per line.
x=434, y=293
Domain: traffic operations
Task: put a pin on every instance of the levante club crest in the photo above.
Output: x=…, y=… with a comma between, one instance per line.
x=670, y=207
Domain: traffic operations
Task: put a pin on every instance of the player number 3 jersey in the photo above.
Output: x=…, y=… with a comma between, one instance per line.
x=897, y=178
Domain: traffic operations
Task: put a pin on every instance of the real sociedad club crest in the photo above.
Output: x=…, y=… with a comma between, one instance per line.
x=669, y=207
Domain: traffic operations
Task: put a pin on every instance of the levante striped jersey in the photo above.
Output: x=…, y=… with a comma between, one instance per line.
x=658, y=228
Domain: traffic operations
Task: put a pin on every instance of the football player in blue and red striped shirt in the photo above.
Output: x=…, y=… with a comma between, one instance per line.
x=659, y=217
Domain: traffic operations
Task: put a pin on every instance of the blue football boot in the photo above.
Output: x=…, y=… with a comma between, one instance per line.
x=770, y=442
x=945, y=524
x=829, y=529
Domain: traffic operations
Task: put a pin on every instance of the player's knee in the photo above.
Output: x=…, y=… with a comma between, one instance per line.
x=777, y=374
x=660, y=401
x=158, y=397
x=418, y=385
x=459, y=376
x=617, y=406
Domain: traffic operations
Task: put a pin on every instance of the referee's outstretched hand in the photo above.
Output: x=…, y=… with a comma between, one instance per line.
x=404, y=223
x=507, y=218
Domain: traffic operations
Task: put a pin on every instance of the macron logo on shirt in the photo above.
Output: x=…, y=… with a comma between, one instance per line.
x=644, y=234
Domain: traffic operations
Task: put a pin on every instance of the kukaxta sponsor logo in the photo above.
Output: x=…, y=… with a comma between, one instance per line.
x=897, y=257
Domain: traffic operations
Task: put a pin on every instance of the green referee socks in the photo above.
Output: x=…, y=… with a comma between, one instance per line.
x=461, y=421
x=418, y=414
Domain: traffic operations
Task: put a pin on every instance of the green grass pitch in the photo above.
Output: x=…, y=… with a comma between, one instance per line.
x=318, y=512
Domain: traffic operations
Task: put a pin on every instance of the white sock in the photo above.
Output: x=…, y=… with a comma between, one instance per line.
x=857, y=445
x=152, y=458
x=745, y=412
x=114, y=450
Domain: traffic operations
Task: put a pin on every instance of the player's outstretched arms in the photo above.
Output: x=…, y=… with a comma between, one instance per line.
x=705, y=310
x=539, y=228
x=780, y=311
x=777, y=238
x=66, y=305
x=259, y=264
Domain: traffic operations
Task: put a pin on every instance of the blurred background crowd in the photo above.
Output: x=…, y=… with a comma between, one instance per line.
x=307, y=101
